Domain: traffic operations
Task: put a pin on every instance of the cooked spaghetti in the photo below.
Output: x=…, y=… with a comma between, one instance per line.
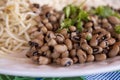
x=16, y=18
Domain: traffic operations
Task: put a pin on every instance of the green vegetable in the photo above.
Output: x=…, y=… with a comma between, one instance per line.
x=74, y=15
x=117, y=29
x=73, y=9
x=67, y=11
x=66, y=23
x=79, y=26
x=88, y=38
x=82, y=15
x=104, y=11
x=116, y=14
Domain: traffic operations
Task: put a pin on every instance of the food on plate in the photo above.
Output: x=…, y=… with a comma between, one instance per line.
x=16, y=17
x=74, y=35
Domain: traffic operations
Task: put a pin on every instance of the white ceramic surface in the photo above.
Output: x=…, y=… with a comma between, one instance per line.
x=18, y=64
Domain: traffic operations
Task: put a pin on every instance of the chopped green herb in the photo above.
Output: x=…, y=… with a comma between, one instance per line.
x=74, y=15
x=66, y=23
x=83, y=15
x=117, y=15
x=117, y=29
x=104, y=11
x=88, y=38
x=67, y=11
x=73, y=9
x=79, y=26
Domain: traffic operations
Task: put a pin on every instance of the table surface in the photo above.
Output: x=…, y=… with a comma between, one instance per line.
x=104, y=76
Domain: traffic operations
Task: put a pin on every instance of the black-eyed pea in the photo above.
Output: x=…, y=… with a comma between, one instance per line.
x=29, y=54
x=37, y=18
x=44, y=60
x=68, y=43
x=40, y=42
x=40, y=52
x=107, y=26
x=73, y=34
x=48, y=53
x=100, y=57
x=35, y=58
x=75, y=39
x=32, y=29
x=88, y=25
x=72, y=28
x=52, y=42
x=49, y=26
x=49, y=35
x=36, y=10
x=59, y=38
x=57, y=61
x=65, y=54
x=90, y=58
x=114, y=51
x=40, y=37
x=55, y=55
x=44, y=30
x=66, y=62
x=94, y=40
x=63, y=32
x=105, y=36
x=76, y=46
x=73, y=53
x=113, y=20
x=44, y=48
x=81, y=56
x=60, y=48
x=104, y=21
x=97, y=49
x=53, y=18
x=99, y=31
x=111, y=41
x=35, y=34
x=75, y=60
x=103, y=44
x=45, y=21
x=87, y=48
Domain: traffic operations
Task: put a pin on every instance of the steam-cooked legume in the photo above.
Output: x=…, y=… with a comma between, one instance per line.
x=74, y=35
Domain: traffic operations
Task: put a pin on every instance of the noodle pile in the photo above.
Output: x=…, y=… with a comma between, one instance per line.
x=16, y=18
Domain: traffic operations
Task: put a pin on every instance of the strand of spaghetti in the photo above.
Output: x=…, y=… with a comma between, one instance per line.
x=7, y=42
x=6, y=50
x=18, y=19
x=18, y=46
x=24, y=48
x=27, y=36
x=1, y=30
x=10, y=33
x=10, y=47
x=24, y=30
x=17, y=8
x=2, y=52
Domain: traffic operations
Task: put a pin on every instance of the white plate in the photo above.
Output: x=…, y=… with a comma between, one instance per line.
x=19, y=65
